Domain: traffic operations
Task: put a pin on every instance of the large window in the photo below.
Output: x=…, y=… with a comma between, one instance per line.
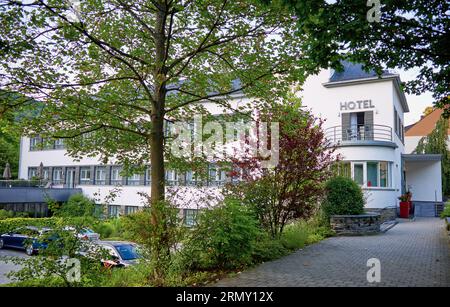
x=171, y=177
x=368, y=173
x=100, y=175
x=190, y=217
x=113, y=211
x=134, y=179
x=216, y=176
x=85, y=175
x=131, y=209
x=116, y=178
x=57, y=175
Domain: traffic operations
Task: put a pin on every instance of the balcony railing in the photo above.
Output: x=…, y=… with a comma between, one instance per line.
x=24, y=183
x=354, y=133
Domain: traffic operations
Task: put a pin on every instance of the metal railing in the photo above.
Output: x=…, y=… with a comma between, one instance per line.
x=351, y=133
x=24, y=183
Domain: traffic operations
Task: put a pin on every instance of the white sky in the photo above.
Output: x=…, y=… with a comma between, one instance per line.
x=417, y=104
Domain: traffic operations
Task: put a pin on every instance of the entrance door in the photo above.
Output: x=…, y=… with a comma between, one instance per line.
x=70, y=178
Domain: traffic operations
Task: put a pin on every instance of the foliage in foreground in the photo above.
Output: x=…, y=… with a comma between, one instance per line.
x=294, y=187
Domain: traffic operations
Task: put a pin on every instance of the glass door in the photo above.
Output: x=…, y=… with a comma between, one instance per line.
x=70, y=178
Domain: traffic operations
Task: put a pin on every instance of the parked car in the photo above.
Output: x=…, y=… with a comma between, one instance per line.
x=122, y=253
x=26, y=238
x=85, y=233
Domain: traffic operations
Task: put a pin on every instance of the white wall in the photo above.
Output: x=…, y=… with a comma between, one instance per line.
x=424, y=180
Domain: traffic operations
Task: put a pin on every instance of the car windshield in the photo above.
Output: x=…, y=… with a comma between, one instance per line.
x=127, y=251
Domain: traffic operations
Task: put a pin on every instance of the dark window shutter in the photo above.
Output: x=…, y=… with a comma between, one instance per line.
x=368, y=123
x=345, y=117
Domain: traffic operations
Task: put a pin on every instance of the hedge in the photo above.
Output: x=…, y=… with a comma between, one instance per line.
x=14, y=223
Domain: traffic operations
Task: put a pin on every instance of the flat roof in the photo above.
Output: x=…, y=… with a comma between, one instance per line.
x=421, y=157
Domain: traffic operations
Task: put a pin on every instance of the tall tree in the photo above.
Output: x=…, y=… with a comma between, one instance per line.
x=408, y=34
x=437, y=143
x=110, y=72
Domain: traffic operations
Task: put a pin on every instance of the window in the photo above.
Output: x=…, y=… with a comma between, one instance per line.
x=35, y=143
x=216, y=176
x=85, y=175
x=100, y=175
x=113, y=211
x=59, y=144
x=171, y=177
x=358, y=173
x=343, y=169
x=46, y=175
x=32, y=173
x=189, y=217
x=384, y=178
x=372, y=174
x=116, y=178
x=148, y=176
x=130, y=209
x=134, y=179
x=192, y=178
x=57, y=175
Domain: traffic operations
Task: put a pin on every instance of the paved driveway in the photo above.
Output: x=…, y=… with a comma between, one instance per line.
x=5, y=268
x=413, y=253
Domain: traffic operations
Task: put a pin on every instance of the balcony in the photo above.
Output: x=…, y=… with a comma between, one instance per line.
x=360, y=135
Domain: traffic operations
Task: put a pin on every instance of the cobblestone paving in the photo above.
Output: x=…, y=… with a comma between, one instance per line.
x=413, y=253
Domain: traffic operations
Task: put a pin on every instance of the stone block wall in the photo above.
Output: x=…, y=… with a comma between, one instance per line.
x=363, y=224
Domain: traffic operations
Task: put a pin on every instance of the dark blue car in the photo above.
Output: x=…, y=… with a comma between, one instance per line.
x=25, y=238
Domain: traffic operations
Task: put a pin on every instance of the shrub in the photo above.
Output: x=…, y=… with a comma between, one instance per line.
x=78, y=205
x=267, y=249
x=224, y=238
x=343, y=196
x=4, y=214
x=446, y=212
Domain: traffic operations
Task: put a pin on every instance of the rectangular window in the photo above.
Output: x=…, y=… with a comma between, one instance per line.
x=85, y=175
x=148, y=176
x=46, y=175
x=134, y=179
x=116, y=178
x=216, y=176
x=35, y=143
x=32, y=173
x=189, y=217
x=384, y=174
x=372, y=174
x=113, y=211
x=130, y=209
x=100, y=175
x=59, y=144
x=171, y=177
x=192, y=178
x=57, y=175
x=358, y=173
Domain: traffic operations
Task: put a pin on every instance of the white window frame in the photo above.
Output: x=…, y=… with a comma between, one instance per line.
x=390, y=183
x=83, y=172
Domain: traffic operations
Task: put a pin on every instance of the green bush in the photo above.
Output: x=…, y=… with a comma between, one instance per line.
x=112, y=228
x=77, y=205
x=343, y=196
x=446, y=212
x=267, y=249
x=224, y=237
x=4, y=214
x=14, y=223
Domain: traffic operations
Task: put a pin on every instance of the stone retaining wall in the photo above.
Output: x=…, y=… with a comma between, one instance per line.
x=362, y=224
x=386, y=214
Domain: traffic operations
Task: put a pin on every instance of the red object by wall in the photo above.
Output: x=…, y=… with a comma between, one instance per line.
x=404, y=209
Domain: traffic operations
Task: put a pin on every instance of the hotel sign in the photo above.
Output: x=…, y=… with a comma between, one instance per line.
x=357, y=105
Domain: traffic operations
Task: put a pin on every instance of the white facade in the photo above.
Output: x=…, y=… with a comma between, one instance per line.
x=364, y=116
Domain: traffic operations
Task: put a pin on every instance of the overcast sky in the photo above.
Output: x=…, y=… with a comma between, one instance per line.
x=417, y=104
